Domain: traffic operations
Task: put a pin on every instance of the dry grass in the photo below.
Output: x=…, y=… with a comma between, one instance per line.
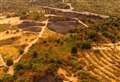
x=9, y=51
x=110, y=7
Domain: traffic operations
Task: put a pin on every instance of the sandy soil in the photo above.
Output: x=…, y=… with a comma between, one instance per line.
x=11, y=21
x=63, y=73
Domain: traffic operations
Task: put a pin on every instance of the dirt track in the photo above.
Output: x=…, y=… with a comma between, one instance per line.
x=11, y=68
x=60, y=71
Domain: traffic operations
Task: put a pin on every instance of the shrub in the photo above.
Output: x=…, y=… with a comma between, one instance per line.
x=7, y=78
x=35, y=15
x=7, y=32
x=85, y=45
x=9, y=62
x=92, y=35
x=111, y=36
x=76, y=65
x=23, y=15
x=34, y=54
x=23, y=66
x=19, y=66
x=74, y=50
x=21, y=51
x=85, y=76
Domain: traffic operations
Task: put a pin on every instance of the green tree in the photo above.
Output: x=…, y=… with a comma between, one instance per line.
x=85, y=45
x=74, y=50
x=9, y=62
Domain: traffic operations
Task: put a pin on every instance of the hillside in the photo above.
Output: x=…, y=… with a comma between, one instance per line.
x=60, y=41
x=110, y=7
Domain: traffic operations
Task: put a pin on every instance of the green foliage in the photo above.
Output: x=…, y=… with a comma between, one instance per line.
x=22, y=66
x=92, y=35
x=34, y=55
x=23, y=14
x=85, y=76
x=74, y=50
x=84, y=45
x=77, y=65
x=109, y=28
x=19, y=66
x=98, y=6
x=55, y=51
x=110, y=35
x=7, y=78
x=42, y=61
x=35, y=15
x=9, y=62
x=60, y=41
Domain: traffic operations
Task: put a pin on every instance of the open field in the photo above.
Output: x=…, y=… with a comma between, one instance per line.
x=60, y=41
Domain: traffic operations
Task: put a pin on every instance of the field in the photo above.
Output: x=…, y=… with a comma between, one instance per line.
x=60, y=41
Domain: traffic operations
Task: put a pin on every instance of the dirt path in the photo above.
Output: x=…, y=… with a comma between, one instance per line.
x=65, y=12
x=72, y=13
x=11, y=68
x=63, y=73
x=6, y=35
x=10, y=34
x=68, y=4
x=33, y=42
x=2, y=61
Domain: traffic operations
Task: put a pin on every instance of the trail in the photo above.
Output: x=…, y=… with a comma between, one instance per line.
x=64, y=73
x=33, y=42
x=71, y=9
x=68, y=4
x=11, y=68
x=72, y=13
x=60, y=12
x=4, y=36
x=2, y=61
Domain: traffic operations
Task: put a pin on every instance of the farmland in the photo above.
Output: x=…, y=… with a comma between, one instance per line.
x=60, y=41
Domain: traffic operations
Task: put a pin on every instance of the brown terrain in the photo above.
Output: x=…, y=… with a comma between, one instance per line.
x=102, y=60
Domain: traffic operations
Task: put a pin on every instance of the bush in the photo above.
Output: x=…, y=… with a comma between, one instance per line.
x=23, y=15
x=92, y=35
x=75, y=64
x=59, y=41
x=19, y=66
x=35, y=15
x=7, y=78
x=74, y=50
x=85, y=45
x=21, y=51
x=9, y=62
x=22, y=66
x=111, y=36
x=34, y=54
x=85, y=76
